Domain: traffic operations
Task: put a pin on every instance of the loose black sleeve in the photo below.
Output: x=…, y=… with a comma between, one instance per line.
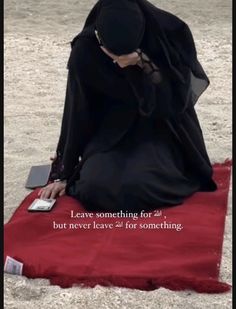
x=154, y=99
x=76, y=128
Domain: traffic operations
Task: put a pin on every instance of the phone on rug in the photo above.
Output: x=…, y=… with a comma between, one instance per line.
x=42, y=205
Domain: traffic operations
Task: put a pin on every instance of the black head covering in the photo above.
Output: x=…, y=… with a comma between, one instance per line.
x=120, y=25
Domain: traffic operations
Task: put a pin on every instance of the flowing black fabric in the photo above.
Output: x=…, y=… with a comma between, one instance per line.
x=104, y=104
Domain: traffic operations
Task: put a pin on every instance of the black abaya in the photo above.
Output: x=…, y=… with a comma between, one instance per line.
x=145, y=170
x=129, y=161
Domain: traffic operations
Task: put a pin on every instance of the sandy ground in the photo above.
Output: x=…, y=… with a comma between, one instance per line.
x=36, y=51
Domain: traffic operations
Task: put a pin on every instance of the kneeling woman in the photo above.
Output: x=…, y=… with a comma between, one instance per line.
x=130, y=137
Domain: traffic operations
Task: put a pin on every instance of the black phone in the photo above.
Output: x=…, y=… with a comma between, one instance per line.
x=38, y=176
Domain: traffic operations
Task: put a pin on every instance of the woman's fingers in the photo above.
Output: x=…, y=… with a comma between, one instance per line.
x=52, y=190
x=62, y=192
x=40, y=191
x=114, y=57
x=106, y=52
x=58, y=190
x=45, y=193
x=130, y=59
x=53, y=158
x=123, y=60
x=124, y=64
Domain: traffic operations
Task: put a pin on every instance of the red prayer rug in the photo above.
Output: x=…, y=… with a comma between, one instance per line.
x=178, y=248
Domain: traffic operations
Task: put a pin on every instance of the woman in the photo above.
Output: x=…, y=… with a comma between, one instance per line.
x=130, y=137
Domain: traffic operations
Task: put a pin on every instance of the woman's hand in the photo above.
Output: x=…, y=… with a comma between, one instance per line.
x=123, y=60
x=53, y=190
x=53, y=158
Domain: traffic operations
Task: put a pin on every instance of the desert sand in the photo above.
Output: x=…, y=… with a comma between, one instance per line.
x=37, y=36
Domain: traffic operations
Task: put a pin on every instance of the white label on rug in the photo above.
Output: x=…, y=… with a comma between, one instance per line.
x=13, y=266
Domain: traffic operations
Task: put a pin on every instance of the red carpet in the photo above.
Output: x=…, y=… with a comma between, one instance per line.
x=134, y=258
